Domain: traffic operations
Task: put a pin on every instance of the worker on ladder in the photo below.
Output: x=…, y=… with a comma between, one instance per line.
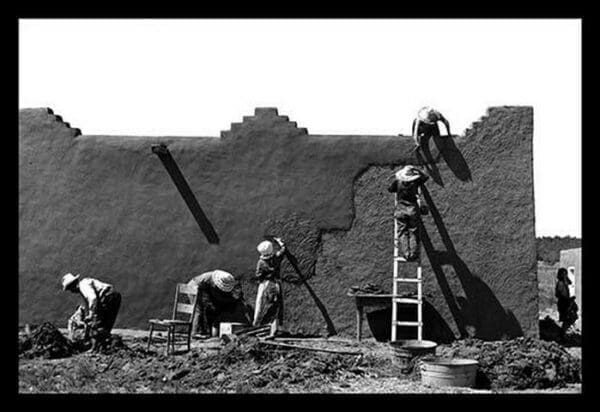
x=408, y=210
x=425, y=125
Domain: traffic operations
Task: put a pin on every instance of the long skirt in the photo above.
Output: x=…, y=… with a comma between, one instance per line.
x=269, y=303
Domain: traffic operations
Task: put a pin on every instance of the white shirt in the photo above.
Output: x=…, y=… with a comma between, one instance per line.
x=429, y=115
x=91, y=290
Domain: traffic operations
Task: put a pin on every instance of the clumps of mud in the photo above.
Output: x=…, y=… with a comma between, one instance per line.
x=551, y=331
x=46, y=341
x=253, y=366
x=522, y=363
x=240, y=366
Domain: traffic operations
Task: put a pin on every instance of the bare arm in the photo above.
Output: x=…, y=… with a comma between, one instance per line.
x=447, y=124
x=281, y=250
x=416, y=132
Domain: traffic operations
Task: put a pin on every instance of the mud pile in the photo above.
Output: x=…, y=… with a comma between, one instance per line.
x=44, y=341
x=551, y=331
x=239, y=366
x=521, y=363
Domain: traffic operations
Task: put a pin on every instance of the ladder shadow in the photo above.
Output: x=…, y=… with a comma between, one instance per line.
x=478, y=313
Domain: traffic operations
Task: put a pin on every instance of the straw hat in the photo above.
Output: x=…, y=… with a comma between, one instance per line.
x=408, y=174
x=223, y=280
x=427, y=115
x=265, y=248
x=68, y=280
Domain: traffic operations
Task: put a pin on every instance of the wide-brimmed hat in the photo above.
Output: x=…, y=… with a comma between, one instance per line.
x=427, y=115
x=68, y=280
x=223, y=280
x=408, y=174
x=265, y=248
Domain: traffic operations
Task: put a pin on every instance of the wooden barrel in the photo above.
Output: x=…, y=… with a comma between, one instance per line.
x=449, y=372
x=406, y=350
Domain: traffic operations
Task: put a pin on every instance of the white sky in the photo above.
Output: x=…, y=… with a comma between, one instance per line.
x=195, y=77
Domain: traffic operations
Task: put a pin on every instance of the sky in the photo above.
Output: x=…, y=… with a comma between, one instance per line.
x=343, y=76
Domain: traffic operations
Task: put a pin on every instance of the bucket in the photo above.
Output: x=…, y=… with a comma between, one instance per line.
x=406, y=350
x=449, y=372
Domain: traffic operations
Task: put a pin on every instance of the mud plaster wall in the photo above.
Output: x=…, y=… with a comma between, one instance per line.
x=104, y=206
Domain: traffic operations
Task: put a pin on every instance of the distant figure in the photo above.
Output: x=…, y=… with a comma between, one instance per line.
x=409, y=207
x=269, y=299
x=567, y=308
x=425, y=125
x=218, y=292
x=102, y=303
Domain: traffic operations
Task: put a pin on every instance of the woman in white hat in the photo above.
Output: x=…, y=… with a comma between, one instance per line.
x=409, y=207
x=269, y=299
x=102, y=303
x=218, y=292
x=425, y=124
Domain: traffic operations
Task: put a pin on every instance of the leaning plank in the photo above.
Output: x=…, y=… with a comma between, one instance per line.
x=287, y=345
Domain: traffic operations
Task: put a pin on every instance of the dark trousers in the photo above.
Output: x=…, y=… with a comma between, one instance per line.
x=105, y=316
x=425, y=132
x=210, y=304
x=407, y=219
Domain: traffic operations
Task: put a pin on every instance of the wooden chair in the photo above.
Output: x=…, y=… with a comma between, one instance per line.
x=187, y=309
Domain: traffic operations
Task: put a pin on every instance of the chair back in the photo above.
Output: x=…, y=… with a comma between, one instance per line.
x=185, y=301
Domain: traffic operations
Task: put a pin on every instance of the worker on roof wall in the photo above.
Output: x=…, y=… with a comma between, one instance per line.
x=269, y=299
x=102, y=303
x=425, y=125
x=408, y=209
x=219, y=293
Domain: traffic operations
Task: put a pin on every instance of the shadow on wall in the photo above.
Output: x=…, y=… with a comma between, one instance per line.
x=449, y=152
x=479, y=313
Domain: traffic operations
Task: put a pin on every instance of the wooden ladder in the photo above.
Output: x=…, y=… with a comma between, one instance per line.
x=396, y=298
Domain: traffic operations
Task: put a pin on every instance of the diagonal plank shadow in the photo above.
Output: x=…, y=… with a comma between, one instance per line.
x=168, y=162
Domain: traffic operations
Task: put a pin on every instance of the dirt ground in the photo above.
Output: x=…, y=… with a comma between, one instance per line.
x=245, y=366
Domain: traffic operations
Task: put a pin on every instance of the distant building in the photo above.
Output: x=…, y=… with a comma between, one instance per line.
x=570, y=259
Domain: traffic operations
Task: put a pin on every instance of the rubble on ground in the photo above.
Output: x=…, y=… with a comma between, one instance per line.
x=245, y=364
x=551, y=331
x=44, y=341
x=521, y=363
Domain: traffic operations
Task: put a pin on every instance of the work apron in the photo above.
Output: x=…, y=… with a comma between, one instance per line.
x=269, y=303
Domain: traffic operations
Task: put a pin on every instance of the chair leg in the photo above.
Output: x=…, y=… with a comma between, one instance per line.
x=150, y=337
x=168, y=339
x=173, y=340
x=189, y=337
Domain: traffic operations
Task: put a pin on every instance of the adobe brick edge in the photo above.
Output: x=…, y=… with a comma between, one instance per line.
x=105, y=207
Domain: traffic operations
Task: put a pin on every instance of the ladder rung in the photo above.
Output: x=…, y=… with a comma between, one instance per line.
x=403, y=260
x=404, y=323
x=408, y=280
x=407, y=300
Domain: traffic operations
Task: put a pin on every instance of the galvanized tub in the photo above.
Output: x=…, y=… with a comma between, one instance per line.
x=449, y=372
x=406, y=350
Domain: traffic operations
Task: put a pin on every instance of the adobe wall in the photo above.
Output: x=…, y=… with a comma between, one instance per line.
x=106, y=207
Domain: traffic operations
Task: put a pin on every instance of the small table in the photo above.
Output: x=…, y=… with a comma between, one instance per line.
x=383, y=300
